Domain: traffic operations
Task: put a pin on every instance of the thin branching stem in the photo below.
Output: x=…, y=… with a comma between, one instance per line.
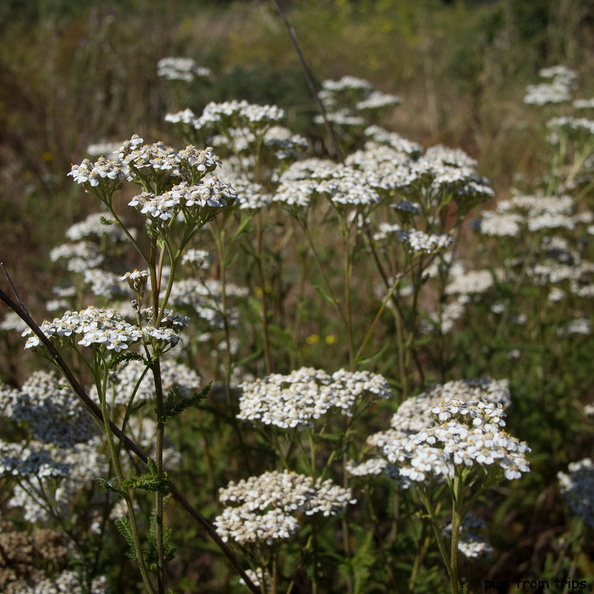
x=130, y=445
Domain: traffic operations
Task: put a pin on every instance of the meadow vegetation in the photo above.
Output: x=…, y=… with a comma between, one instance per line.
x=255, y=345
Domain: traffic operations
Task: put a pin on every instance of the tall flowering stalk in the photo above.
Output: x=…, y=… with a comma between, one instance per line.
x=449, y=445
x=179, y=197
x=295, y=412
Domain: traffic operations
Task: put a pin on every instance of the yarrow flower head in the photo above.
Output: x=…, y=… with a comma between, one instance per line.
x=136, y=279
x=298, y=399
x=161, y=167
x=184, y=69
x=93, y=327
x=103, y=171
x=198, y=203
x=446, y=429
x=95, y=226
x=346, y=98
x=561, y=82
x=418, y=242
x=200, y=259
x=467, y=434
x=131, y=381
x=51, y=411
x=262, y=510
x=174, y=182
x=532, y=212
x=238, y=114
x=471, y=543
x=78, y=256
x=577, y=488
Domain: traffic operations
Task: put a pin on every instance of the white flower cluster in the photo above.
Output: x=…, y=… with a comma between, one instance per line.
x=465, y=434
x=533, y=213
x=499, y=224
x=186, y=117
x=295, y=193
x=184, y=69
x=210, y=195
x=347, y=83
x=259, y=578
x=342, y=117
x=53, y=476
x=78, y=256
x=345, y=98
x=12, y=321
x=263, y=508
x=576, y=326
x=349, y=187
x=253, y=196
x=415, y=416
x=385, y=230
x=158, y=160
x=444, y=323
x=104, y=283
x=443, y=171
x=384, y=164
x=133, y=379
x=559, y=72
x=103, y=149
x=205, y=297
x=154, y=165
x=29, y=460
x=379, y=136
x=67, y=582
x=99, y=327
x=52, y=412
x=393, y=164
x=304, y=395
x=377, y=100
x=237, y=114
x=578, y=129
x=365, y=179
x=547, y=93
x=101, y=171
x=419, y=242
x=471, y=544
x=244, y=129
x=278, y=140
x=285, y=144
x=94, y=227
x=583, y=104
x=562, y=81
x=200, y=259
x=471, y=282
x=577, y=487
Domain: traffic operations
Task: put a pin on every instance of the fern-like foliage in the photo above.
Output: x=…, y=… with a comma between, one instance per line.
x=124, y=528
x=148, y=482
x=124, y=357
x=174, y=405
x=150, y=553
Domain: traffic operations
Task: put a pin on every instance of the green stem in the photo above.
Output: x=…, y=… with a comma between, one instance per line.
x=438, y=537
x=348, y=274
x=159, y=512
x=325, y=280
x=115, y=458
x=262, y=279
x=456, y=525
